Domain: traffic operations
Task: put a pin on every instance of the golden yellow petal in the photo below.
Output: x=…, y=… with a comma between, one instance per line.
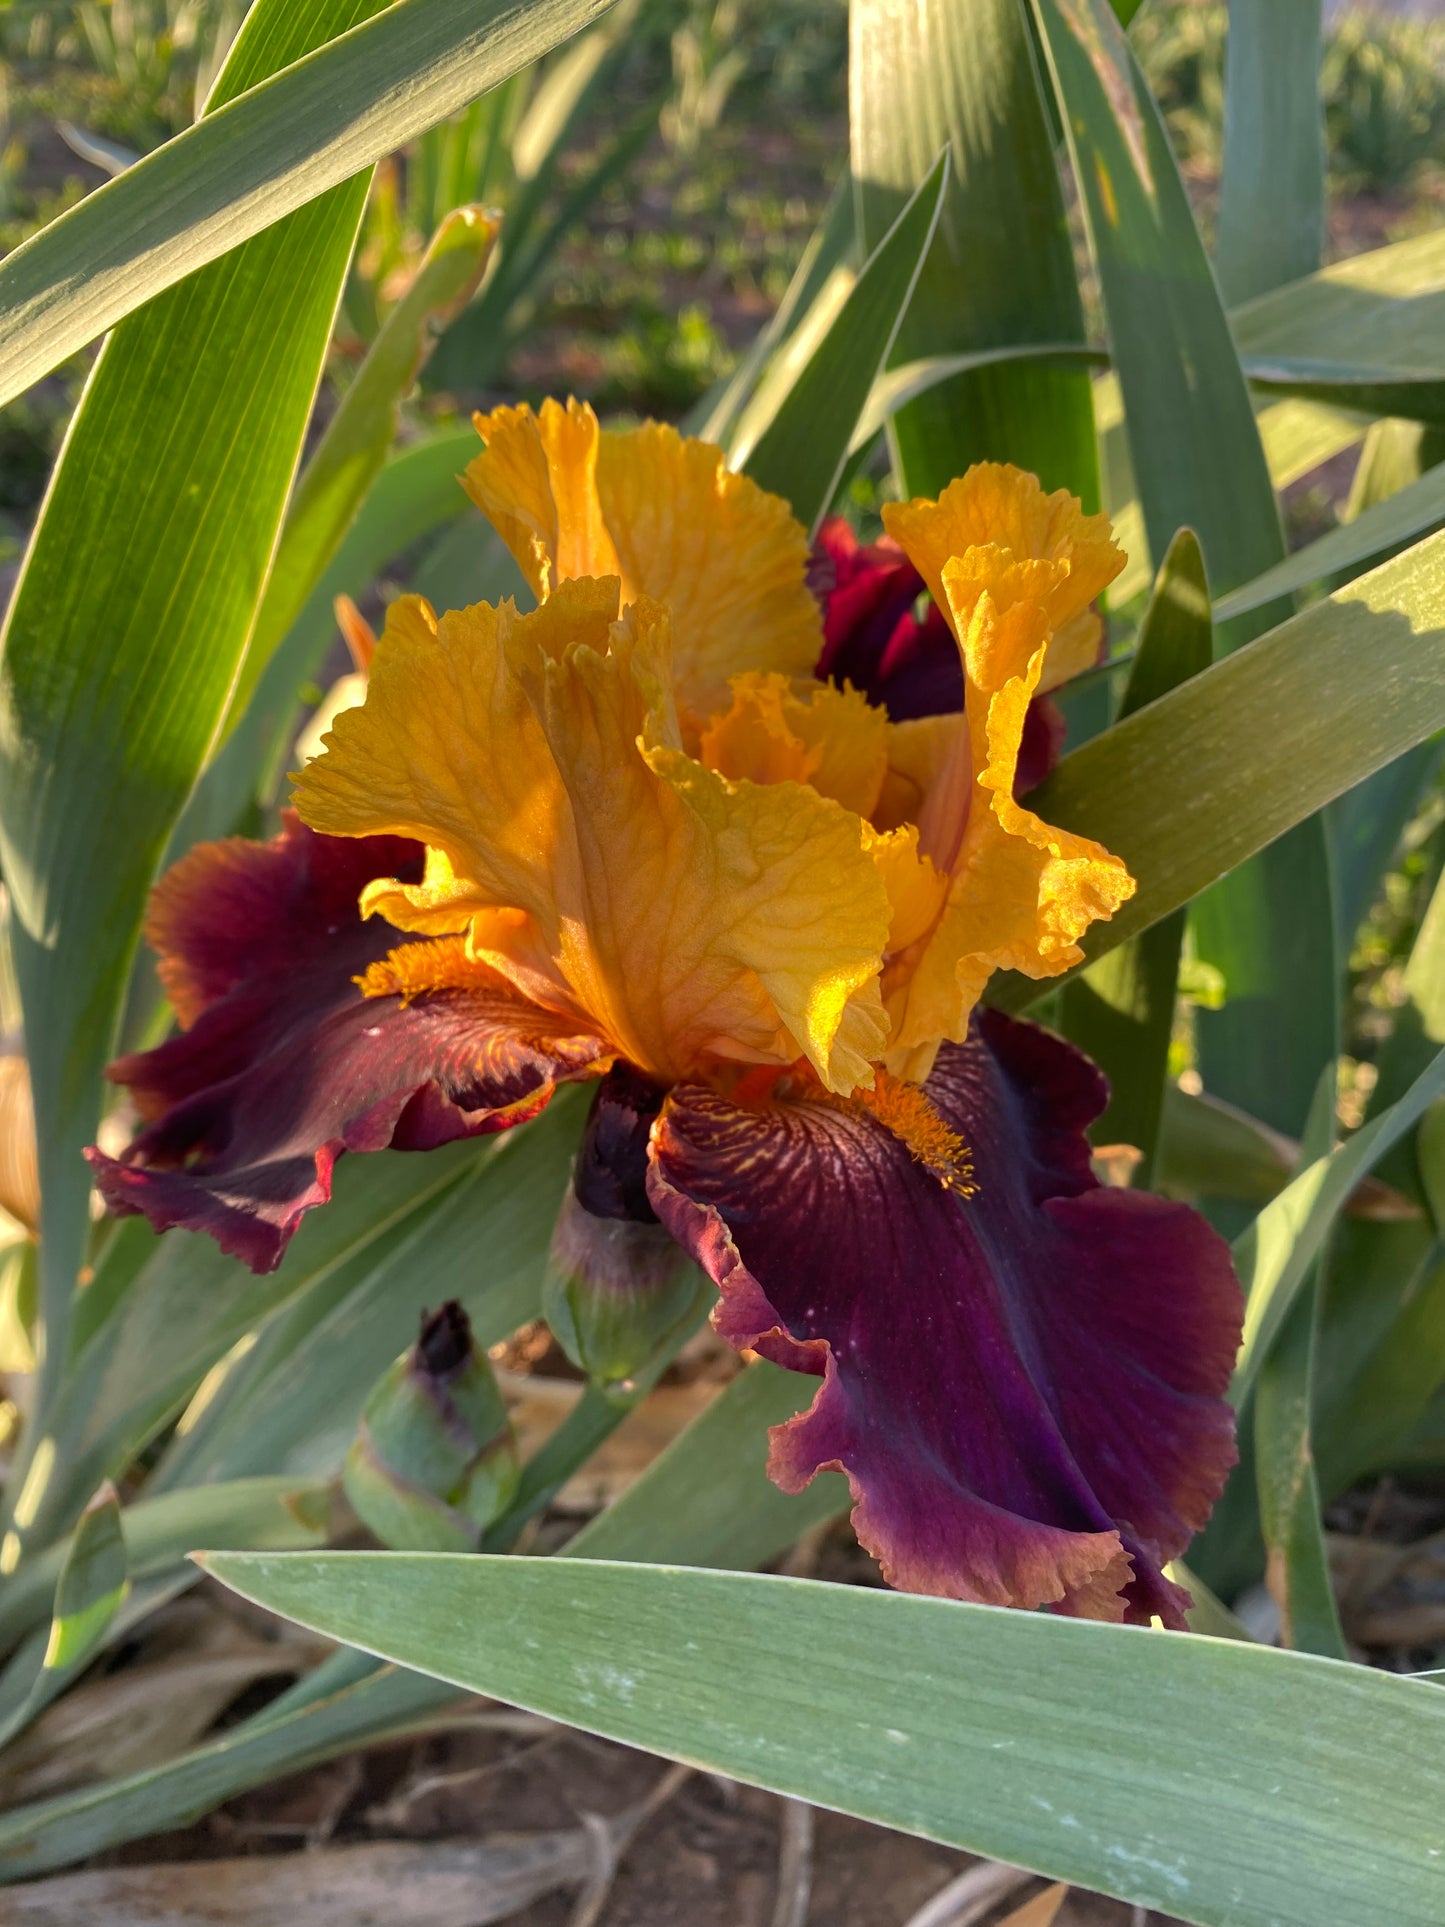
x=441, y=905
x=1073, y=648
x=602, y=869
x=703, y=918
x=1004, y=640
x=727, y=558
x=447, y=749
x=780, y=729
x=997, y=505
x=916, y=890
x=1021, y=893
x=919, y=750
x=536, y=482
x=19, y=1168
x=666, y=514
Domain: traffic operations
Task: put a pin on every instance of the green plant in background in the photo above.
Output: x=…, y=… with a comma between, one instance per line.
x=1259, y=742
x=1180, y=46
x=510, y=150
x=136, y=71
x=1384, y=88
x=1382, y=78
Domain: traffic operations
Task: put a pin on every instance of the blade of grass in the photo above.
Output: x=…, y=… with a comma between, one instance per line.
x=1192, y=786
x=246, y=1513
x=1178, y=374
x=1384, y=1343
x=1272, y=186
x=827, y=252
x=90, y=1589
x=914, y=379
x=71, y=1826
x=1274, y=1257
x=401, y=1231
x=127, y=624
x=962, y=73
x=1270, y=930
x=1413, y=512
x=1121, y=1012
x=1371, y=323
x=544, y=205
x=1365, y=831
x=358, y=438
x=1320, y=1776
x=255, y=159
x=292, y=1402
x=1298, y=1570
x=707, y=1500
x=801, y=453
x=416, y=492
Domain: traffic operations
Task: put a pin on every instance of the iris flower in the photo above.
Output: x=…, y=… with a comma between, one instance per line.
x=630, y=836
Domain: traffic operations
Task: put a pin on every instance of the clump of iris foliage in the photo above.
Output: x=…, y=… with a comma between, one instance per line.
x=691, y=905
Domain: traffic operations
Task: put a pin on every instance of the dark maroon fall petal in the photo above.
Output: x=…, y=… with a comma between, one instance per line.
x=1024, y=1386
x=239, y=911
x=286, y=1064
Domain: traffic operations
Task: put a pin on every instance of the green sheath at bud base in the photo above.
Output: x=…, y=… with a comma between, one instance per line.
x=617, y=1293
x=434, y=1461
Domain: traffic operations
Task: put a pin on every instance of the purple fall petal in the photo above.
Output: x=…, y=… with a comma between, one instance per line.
x=286, y=1064
x=1023, y=1386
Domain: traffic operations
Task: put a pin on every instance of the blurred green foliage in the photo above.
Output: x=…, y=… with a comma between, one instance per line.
x=1384, y=87
x=663, y=278
x=1383, y=81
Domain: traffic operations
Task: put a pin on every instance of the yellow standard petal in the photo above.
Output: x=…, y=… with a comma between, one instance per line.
x=447, y=749
x=536, y=483
x=997, y=505
x=666, y=514
x=602, y=869
x=728, y=559
x=1021, y=892
x=786, y=730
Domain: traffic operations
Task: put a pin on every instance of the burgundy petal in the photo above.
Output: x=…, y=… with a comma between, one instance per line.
x=286, y=1064
x=1024, y=1386
x=240, y=912
x=866, y=592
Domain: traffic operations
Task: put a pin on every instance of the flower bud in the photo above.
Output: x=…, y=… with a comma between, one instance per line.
x=618, y=1290
x=434, y=1461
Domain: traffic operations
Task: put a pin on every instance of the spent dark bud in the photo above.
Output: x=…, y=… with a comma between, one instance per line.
x=618, y=1290
x=434, y=1461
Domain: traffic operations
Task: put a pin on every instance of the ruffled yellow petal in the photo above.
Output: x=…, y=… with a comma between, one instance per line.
x=918, y=752
x=667, y=515
x=997, y=505
x=536, y=483
x=447, y=749
x=705, y=918
x=1073, y=648
x=441, y=905
x=781, y=730
x=728, y=559
x=916, y=890
x=590, y=859
x=1021, y=893
x=796, y=900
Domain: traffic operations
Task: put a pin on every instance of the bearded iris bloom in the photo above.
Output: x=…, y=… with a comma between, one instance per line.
x=631, y=837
